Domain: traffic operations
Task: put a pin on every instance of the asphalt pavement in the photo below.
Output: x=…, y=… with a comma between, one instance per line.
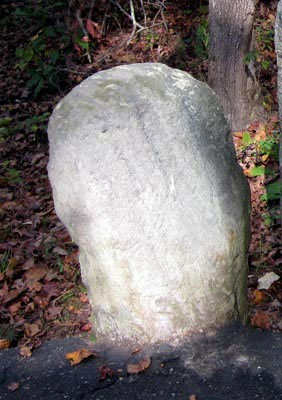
x=234, y=363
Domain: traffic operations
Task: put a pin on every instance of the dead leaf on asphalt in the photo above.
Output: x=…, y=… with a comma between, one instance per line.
x=25, y=351
x=105, y=372
x=139, y=367
x=79, y=355
x=261, y=319
x=13, y=386
x=4, y=344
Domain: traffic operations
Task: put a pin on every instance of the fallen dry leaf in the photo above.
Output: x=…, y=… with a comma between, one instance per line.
x=25, y=351
x=192, y=397
x=13, y=294
x=139, y=367
x=60, y=251
x=14, y=308
x=86, y=327
x=258, y=296
x=77, y=356
x=261, y=319
x=4, y=344
x=83, y=298
x=13, y=386
x=267, y=280
x=105, y=372
x=238, y=134
x=31, y=329
x=52, y=312
x=12, y=263
x=260, y=133
x=35, y=273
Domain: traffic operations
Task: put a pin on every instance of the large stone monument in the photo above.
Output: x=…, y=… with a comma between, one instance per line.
x=145, y=178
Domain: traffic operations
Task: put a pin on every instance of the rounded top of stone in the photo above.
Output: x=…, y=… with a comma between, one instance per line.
x=140, y=88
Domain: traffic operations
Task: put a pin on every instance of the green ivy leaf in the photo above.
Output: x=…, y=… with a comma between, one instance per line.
x=50, y=31
x=19, y=52
x=54, y=56
x=247, y=140
x=257, y=171
x=27, y=54
x=273, y=191
x=265, y=64
x=267, y=220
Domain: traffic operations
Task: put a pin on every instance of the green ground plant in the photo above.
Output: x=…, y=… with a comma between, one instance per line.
x=4, y=263
x=43, y=55
x=202, y=40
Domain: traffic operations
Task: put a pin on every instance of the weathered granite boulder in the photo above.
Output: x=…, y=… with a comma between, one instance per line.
x=145, y=178
x=278, y=48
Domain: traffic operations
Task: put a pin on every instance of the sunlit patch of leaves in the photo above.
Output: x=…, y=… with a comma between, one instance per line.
x=258, y=150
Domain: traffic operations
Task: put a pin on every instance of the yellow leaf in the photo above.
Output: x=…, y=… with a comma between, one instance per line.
x=260, y=133
x=12, y=263
x=238, y=134
x=77, y=356
x=258, y=296
x=4, y=344
x=247, y=172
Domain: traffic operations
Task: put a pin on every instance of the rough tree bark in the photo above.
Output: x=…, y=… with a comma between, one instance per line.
x=231, y=27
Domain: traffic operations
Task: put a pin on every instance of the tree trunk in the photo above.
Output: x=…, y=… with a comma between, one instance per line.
x=231, y=27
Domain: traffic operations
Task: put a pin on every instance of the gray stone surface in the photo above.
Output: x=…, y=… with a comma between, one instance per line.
x=278, y=48
x=145, y=178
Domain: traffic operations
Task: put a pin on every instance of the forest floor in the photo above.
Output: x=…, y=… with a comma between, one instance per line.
x=41, y=293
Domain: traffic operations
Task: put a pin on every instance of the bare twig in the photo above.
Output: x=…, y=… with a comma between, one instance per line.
x=161, y=7
x=62, y=295
x=144, y=12
x=85, y=33
x=116, y=3
x=72, y=71
x=79, y=20
x=133, y=21
x=92, y=4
